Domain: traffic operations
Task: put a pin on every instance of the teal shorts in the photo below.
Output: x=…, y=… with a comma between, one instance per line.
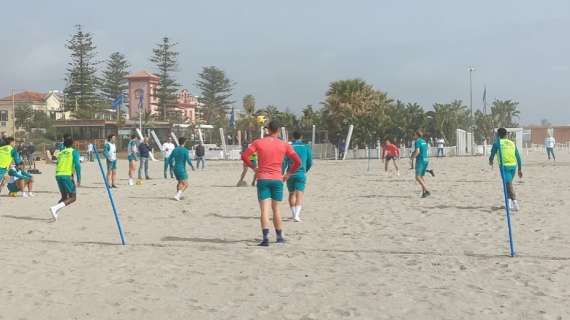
x=254, y=162
x=421, y=167
x=181, y=175
x=132, y=157
x=65, y=184
x=12, y=187
x=111, y=165
x=510, y=173
x=296, y=183
x=2, y=172
x=270, y=189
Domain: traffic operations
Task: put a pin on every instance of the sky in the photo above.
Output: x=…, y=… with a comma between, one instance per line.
x=286, y=53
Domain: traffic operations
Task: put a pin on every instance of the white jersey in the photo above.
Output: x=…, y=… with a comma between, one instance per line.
x=549, y=142
x=167, y=148
x=440, y=143
x=112, y=151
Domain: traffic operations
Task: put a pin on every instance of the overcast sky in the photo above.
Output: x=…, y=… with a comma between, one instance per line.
x=286, y=52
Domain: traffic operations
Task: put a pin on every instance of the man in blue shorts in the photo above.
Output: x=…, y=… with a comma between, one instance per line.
x=510, y=160
x=110, y=153
x=421, y=156
x=271, y=152
x=177, y=160
x=68, y=166
x=296, y=182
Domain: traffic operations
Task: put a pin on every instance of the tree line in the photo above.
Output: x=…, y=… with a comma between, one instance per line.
x=89, y=90
x=376, y=116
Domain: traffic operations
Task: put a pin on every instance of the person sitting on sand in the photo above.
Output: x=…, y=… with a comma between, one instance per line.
x=20, y=180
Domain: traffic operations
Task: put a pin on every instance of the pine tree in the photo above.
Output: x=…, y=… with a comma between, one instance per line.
x=114, y=83
x=165, y=58
x=216, y=92
x=81, y=90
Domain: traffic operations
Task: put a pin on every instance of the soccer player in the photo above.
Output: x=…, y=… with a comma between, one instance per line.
x=177, y=160
x=511, y=159
x=200, y=154
x=440, y=142
x=144, y=154
x=20, y=180
x=550, y=143
x=132, y=149
x=390, y=152
x=271, y=152
x=253, y=159
x=8, y=155
x=167, y=149
x=110, y=153
x=421, y=156
x=297, y=181
x=68, y=165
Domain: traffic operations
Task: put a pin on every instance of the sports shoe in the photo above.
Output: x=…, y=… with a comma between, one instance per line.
x=264, y=243
x=426, y=194
x=53, y=212
x=280, y=241
x=177, y=197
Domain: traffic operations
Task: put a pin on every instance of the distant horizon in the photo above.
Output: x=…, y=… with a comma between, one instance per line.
x=287, y=57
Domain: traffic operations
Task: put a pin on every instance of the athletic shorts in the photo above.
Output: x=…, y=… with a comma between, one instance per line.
x=181, y=175
x=254, y=163
x=132, y=157
x=65, y=184
x=270, y=189
x=296, y=183
x=421, y=167
x=510, y=173
x=2, y=172
x=111, y=165
x=388, y=158
x=13, y=187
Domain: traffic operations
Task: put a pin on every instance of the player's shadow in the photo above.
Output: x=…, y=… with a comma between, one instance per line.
x=443, y=206
x=25, y=218
x=203, y=240
x=149, y=198
x=387, y=196
x=220, y=186
x=232, y=217
x=46, y=192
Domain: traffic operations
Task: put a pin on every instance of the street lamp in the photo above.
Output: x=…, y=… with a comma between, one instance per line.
x=471, y=69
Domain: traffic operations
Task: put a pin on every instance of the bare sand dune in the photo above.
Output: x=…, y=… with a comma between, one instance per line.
x=369, y=248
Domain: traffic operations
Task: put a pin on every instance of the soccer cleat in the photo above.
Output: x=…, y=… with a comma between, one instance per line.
x=177, y=197
x=53, y=212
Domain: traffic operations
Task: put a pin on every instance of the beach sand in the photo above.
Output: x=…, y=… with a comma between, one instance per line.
x=368, y=248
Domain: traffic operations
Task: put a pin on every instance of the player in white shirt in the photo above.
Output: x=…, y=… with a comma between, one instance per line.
x=550, y=143
x=167, y=149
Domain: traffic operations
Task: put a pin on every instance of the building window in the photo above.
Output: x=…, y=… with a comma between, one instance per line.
x=3, y=115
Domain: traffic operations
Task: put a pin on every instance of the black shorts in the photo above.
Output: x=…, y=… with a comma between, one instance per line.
x=388, y=158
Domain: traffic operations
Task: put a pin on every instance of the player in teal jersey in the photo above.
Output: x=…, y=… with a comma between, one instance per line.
x=421, y=156
x=297, y=181
x=177, y=160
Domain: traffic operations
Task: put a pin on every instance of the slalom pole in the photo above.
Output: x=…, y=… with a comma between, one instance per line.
x=110, y=194
x=505, y=193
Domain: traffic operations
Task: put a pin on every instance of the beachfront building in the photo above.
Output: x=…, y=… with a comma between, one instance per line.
x=538, y=133
x=6, y=120
x=187, y=105
x=51, y=102
x=142, y=86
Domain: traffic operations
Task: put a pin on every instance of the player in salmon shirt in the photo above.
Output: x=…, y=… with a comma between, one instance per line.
x=390, y=152
x=270, y=154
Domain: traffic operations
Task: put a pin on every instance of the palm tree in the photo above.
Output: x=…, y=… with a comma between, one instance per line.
x=504, y=113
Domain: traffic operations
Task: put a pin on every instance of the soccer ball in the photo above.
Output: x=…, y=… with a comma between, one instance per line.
x=260, y=120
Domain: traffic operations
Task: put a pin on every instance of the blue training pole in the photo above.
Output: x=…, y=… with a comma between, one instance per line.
x=506, y=193
x=110, y=194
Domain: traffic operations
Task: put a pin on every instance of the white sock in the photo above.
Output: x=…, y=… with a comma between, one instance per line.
x=58, y=206
x=293, y=211
x=179, y=193
x=516, y=205
x=299, y=212
x=510, y=204
x=24, y=194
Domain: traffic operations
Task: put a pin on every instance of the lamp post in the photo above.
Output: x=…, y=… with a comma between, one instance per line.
x=14, y=113
x=471, y=69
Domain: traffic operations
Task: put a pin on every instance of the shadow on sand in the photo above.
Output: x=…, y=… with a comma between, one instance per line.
x=232, y=217
x=25, y=218
x=203, y=240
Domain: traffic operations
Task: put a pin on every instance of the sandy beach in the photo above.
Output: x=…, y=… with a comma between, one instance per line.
x=368, y=248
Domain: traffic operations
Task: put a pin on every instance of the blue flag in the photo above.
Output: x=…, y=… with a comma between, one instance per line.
x=117, y=102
